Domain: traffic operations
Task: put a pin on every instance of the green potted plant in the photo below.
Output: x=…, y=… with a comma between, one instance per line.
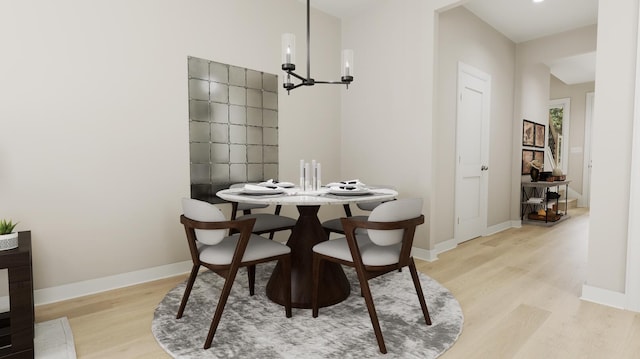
x=8, y=238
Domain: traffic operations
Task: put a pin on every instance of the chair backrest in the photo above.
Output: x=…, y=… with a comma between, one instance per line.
x=393, y=211
x=370, y=206
x=204, y=212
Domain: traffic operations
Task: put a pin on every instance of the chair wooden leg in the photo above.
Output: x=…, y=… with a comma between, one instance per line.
x=366, y=291
x=416, y=283
x=251, y=273
x=187, y=290
x=222, y=301
x=286, y=271
x=315, y=284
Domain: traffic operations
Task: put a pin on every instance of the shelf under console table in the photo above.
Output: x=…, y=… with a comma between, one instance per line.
x=536, y=195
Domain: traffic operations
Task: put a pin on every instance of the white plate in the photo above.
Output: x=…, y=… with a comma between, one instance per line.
x=349, y=191
x=259, y=190
x=254, y=192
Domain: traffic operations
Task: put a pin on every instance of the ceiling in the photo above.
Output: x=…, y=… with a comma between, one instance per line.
x=519, y=20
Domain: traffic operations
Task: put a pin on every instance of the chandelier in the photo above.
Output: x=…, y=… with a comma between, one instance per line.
x=289, y=66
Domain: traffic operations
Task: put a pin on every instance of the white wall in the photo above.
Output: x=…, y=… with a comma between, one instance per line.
x=611, y=144
x=94, y=119
x=462, y=36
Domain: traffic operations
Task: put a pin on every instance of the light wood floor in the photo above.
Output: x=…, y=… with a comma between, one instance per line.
x=519, y=291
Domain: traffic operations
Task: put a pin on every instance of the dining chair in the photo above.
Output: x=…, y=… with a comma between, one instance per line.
x=265, y=222
x=335, y=225
x=385, y=247
x=211, y=247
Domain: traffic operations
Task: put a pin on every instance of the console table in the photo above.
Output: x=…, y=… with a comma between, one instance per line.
x=535, y=195
x=17, y=325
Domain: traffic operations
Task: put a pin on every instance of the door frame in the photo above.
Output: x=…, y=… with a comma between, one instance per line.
x=585, y=198
x=484, y=203
x=632, y=278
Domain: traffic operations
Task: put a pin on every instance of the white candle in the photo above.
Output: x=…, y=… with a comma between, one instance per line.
x=346, y=69
x=318, y=176
x=313, y=175
x=302, y=175
x=288, y=56
x=307, y=177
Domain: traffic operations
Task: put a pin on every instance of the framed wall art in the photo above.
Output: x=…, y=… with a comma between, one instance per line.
x=538, y=138
x=529, y=156
x=528, y=133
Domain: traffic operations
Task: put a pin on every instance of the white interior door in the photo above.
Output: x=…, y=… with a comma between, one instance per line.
x=472, y=153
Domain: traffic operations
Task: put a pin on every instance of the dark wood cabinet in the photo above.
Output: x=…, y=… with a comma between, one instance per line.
x=17, y=325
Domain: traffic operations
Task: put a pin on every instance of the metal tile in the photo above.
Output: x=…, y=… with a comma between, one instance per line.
x=220, y=173
x=237, y=76
x=219, y=92
x=270, y=136
x=254, y=79
x=198, y=90
x=254, y=154
x=254, y=98
x=237, y=114
x=198, y=68
x=237, y=95
x=270, y=118
x=238, y=173
x=270, y=100
x=254, y=135
x=199, y=152
x=270, y=154
x=270, y=171
x=254, y=116
x=219, y=133
x=254, y=173
x=270, y=82
x=238, y=154
x=219, y=153
x=219, y=72
x=199, y=131
x=200, y=173
x=199, y=110
x=237, y=134
x=219, y=112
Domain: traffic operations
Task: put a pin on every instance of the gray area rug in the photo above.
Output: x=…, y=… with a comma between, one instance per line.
x=54, y=340
x=255, y=327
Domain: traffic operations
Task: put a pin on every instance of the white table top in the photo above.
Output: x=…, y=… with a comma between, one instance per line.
x=294, y=196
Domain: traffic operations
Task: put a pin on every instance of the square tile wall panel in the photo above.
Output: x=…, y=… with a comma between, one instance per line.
x=233, y=126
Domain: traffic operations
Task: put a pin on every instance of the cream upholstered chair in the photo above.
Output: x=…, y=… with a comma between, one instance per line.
x=265, y=222
x=384, y=248
x=210, y=246
x=335, y=225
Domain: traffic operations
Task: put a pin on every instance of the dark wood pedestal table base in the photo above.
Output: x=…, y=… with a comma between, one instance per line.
x=307, y=233
x=334, y=286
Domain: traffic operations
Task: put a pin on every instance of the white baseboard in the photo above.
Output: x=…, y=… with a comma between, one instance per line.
x=502, y=227
x=431, y=255
x=93, y=286
x=603, y=296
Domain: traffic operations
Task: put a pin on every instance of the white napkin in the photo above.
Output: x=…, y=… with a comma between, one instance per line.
x=252, y=187
x=354, y=182
x=274, y=183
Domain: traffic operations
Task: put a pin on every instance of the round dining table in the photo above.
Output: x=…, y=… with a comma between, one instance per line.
x=308, y=231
